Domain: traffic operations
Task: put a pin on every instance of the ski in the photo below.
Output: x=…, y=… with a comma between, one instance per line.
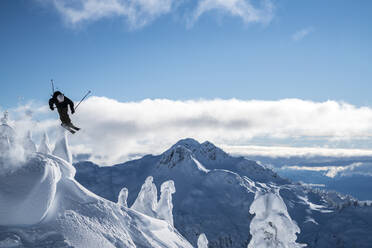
x=68, y=128
x=75, y=128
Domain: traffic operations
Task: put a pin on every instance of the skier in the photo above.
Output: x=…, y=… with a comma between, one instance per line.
x=62, y=104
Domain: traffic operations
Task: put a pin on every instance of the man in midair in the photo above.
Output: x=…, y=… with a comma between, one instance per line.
x=62, y=102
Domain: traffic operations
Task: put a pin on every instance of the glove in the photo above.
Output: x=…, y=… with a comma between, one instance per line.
x=52, y=108
x=73, y=111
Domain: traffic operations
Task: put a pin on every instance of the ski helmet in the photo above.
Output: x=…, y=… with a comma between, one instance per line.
x=60, y=98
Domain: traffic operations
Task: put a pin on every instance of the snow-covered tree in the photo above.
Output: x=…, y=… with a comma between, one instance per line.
x=28, y=143
x=7, y=134
x=202, y=241
x=272, y=226
x=165, y=205
x=147, y=198
x=44, y=146
x=62, y=148
x=123, y=196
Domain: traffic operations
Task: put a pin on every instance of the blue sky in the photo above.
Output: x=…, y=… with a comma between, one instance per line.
x=219, y=56
x=300, y=70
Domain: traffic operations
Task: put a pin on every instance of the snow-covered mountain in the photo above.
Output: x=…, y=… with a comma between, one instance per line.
x=42, y=205
x=234, y=201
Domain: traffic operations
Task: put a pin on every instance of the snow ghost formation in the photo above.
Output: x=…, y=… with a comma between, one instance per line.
x=147, y=203
x=123, y=197
x=61, y=148
x=147, y=198
x=12, y=146
x=4, y=119
x=202, y=241
x=7, y=134
x=44, y=146
x=272, y=226
x=165, y=206
x=29, y=144
x=13, y=150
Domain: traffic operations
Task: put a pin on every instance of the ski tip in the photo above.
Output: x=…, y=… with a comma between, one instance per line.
x=67, y=128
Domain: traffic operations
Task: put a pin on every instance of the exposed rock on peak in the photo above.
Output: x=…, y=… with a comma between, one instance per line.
x=175, y=155
x=189, y=143
x=212, y=152
x=205, y=152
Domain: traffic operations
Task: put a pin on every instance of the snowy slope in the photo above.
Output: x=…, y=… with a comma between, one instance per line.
x=215, y=193
x=41, y=205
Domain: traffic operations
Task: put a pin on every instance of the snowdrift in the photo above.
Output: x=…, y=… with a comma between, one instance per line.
x=41, y=205
x=28, y=193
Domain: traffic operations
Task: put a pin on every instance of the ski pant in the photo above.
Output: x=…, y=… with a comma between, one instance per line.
x=63, y=116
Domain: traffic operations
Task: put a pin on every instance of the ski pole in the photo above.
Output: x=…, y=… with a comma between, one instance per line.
x=52, y=86
x=82, y=99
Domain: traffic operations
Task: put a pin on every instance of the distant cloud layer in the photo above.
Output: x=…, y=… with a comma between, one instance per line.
x=138, y=13
x=114, y=131
x=287, y=151
x=364, y=169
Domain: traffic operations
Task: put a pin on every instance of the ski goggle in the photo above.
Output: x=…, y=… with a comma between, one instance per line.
x=60, y=98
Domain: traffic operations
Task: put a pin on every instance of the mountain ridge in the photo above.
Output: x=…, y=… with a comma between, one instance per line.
x=215, y=193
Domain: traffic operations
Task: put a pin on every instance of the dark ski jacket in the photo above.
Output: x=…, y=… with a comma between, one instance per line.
x=62, y=105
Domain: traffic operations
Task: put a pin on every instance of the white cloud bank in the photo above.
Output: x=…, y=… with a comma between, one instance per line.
x=138, y=13
x=114, y=131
